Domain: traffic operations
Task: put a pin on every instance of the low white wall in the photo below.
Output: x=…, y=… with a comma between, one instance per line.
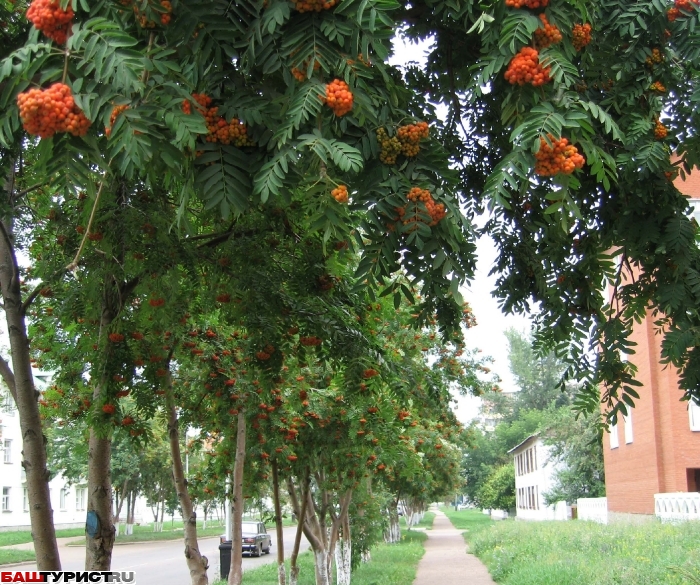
x=677, y=507
x=593, y=509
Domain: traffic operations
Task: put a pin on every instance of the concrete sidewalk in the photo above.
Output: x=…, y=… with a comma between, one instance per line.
x=446, y=560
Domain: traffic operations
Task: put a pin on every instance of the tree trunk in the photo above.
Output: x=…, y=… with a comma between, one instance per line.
x=128, y=516
x=235, y=575
x=281, y=576
x=133, y=494
x=21, y=384
x=196, y=563
x=98, y=549
x=301, y=517
x=120, y=496
x=343, y=554
x=162, y=511
x=393, y=533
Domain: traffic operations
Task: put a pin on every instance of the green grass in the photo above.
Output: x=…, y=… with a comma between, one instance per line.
x=22, y=536
x=8, y=556
x=469, y=520
x=583, y=553
x=390, y=565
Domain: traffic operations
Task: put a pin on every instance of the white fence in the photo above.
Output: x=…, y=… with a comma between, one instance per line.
x=677, y=507
x=593, y=509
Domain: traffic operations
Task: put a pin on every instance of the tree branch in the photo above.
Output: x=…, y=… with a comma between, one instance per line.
x=8, y=377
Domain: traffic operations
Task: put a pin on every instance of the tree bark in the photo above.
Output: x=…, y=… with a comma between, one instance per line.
x=343, y=553
x=300, y=511
x=98, y=550
x=25, y=395
x=196, y=563
x=393, y=533
x=235, y=575
x=281, y=576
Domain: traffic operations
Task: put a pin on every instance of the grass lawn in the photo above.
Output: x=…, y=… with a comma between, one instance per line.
x=390, y=565
x=583, y=553
x=22, y=536
x=8, y=556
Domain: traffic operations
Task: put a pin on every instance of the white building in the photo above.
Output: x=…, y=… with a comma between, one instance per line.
x=534, y=476
x=68, y=502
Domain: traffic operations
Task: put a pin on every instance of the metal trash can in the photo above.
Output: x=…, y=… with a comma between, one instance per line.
x=225, y=558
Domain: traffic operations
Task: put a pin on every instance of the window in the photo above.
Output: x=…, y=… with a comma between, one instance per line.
x=629, y=436
x=62, y=498
x=694, y=415
x=8, y=450
x=79, y=498
x=25, y=500
x=6, y=499
x=614, y=441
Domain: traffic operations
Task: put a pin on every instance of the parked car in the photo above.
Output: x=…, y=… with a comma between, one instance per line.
x=256, y=540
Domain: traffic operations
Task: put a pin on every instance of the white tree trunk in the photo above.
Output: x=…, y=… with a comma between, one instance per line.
x=343, y=566
x=321, y=565
x=116, y=529
x=366, y=556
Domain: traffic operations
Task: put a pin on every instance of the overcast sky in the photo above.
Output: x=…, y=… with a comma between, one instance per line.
x=488, y=335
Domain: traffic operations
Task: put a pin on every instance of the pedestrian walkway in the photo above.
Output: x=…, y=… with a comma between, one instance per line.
x=446, y=560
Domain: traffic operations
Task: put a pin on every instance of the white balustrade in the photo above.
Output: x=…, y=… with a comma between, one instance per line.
x=677, y=507
x=593, y=509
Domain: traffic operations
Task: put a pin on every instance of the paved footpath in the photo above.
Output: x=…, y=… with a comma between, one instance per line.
x=446, y=560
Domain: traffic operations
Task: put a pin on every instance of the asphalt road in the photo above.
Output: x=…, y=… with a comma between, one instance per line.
x=164, y=562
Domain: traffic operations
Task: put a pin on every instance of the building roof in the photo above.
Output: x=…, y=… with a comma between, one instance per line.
x=530, y=438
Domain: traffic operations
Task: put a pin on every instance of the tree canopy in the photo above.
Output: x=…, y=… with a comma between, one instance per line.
x=228, y=106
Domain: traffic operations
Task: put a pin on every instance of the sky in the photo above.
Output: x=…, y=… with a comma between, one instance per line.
x=488, y=335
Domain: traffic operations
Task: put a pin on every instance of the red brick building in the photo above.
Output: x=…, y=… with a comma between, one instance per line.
x=657, y=448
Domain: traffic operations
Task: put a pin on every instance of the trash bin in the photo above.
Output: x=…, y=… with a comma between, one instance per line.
x=225, y=558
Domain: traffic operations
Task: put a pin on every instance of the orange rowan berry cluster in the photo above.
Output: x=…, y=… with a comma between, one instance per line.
x=166, y=16
x=47, y=111
x=436, y=211
x=340, y=194
x=581, y=35
x=660, y=131
x=300, y=74
x=686, y=5
x=548, y=35
x=655, y=58
x=219, y=130
x=164, y=12
x=48, y=17
x=525, y=68
x=338, y=97
x=410, y=136
x=406, y=142
x=658, y=86
x=527, y=3
x=561, y=157
x=314, y=5
x=116, y=110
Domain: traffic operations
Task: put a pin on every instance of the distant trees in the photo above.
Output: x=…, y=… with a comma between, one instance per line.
x=539, y=406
